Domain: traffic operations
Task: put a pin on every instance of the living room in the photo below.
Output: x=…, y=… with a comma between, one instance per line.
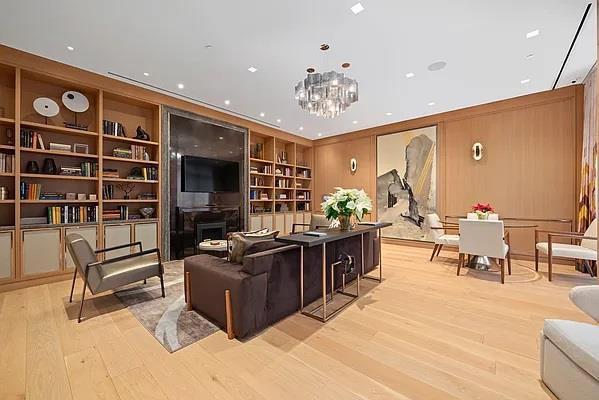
x=362, y=200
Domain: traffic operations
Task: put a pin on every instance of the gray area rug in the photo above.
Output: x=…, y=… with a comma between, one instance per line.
x=166, y=318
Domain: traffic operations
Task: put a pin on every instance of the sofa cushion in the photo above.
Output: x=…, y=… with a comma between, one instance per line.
x=578, y=340
x=259, y=256
x=263, y=245
x=241, y=241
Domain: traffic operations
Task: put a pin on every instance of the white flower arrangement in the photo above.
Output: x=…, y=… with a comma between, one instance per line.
x=347, y=202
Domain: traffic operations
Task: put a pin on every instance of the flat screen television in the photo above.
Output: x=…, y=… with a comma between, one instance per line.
x=207, y=175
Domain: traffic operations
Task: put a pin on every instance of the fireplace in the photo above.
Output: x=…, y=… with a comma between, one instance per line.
x=210, y=230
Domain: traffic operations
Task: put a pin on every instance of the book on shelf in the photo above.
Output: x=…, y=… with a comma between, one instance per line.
x=30, y=191
x=86, y=168
x=118, y=214
x=32, y=140
x=7, y=163
x=113, y=128
x=110, y=173
x=108, y=192
x=119, y=152
x=257, y=150
x=60, y=147
x=72, y=214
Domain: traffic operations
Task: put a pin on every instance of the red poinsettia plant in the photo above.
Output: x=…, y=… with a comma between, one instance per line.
x=483, y=208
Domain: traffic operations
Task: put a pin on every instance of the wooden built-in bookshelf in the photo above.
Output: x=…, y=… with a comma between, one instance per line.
x=276, y=170
x=22, y=217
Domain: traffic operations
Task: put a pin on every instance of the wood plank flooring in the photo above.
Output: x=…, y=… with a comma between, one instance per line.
x=424, y=333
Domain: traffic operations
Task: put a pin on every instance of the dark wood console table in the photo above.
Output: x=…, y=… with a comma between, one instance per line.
x=332, y=235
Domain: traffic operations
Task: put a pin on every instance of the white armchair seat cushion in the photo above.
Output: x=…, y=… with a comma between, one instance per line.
x=587, y=299
x=568, y=251
x=449, y=240
x=577, y=340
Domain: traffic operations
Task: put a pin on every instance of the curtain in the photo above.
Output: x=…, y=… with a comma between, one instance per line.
x=587, y=205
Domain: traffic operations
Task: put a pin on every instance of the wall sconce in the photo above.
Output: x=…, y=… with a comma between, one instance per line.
x=353, y=165
x=477, y=151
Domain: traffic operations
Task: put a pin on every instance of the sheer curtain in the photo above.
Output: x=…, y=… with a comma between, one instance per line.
x=587, y=206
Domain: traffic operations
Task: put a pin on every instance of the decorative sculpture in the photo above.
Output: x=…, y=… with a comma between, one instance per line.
x=141, y=134
x=126, y=188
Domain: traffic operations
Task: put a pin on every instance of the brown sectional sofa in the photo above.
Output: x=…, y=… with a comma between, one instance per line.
x=266, y=288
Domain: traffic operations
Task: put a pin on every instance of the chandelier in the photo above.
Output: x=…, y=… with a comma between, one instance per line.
x=328, y=94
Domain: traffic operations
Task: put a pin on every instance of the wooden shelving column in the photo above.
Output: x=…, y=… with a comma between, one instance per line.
x=18, y=89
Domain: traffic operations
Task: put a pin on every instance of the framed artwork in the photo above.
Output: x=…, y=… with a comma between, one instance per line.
x=406, y=182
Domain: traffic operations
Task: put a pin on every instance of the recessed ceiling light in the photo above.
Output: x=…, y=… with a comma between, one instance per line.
x=208, y=46
x=388, y=113
x=252, y=69
x=278, y=120
x=432, y=103
x=146, y=74
x=530, y=55
x=319, y=134
x=410, y=75
x=525, y=81
x=437, y=66
x=354, y=122
x=262, y=114
x=532, y=34
x=357, y=8
x=227, y=102
x=301, y=128
x=221, y=138
x=181, y=86
x=70, y=48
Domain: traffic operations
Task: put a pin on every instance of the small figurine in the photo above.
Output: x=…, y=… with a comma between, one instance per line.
x=141, y=134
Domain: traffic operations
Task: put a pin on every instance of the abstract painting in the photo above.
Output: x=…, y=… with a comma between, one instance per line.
x=406, y=182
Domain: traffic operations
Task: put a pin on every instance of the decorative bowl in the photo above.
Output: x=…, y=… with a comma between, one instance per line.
x=146, y=212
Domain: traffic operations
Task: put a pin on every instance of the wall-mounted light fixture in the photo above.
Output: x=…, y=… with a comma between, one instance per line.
x=477, y=151
x=353, y=165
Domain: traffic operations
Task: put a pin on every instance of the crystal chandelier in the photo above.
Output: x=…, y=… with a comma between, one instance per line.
x=328, y=94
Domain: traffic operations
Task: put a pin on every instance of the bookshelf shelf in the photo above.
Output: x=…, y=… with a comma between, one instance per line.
x=58, y=153
x=7, y=174
x=260, y=173
x=58, y=129
x=127, y=180
x=130, y=201
x=130, y=160
x=6, y=147
x=7, y=121
x=129, y=140
x=9, y=201
x=257, y=200
x=59, y=201
x=261, y=187
x=303, y=179
x=260, y=160
x=63, y=177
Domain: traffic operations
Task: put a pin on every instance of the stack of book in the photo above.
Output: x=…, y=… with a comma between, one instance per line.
x=30, y=191
x=267, y=169
x=52, y=196
x=60, y=147
x=31, y=139
x=70, y=171
x=7, y=163
x=113, y=128
x=72, y=214
x=284, y=171
x=122, y=153
x=89, y=168
x=110, y=173
x=121, y=213
x=108, y=192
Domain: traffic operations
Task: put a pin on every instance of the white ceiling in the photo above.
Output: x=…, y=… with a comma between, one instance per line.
x=483, y=42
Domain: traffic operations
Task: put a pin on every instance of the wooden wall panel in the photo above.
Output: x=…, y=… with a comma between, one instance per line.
x=530, y=168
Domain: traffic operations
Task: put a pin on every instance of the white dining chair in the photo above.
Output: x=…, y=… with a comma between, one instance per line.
x=439, y=236
x=485, y=238
x=493, y=217
x=585, y=249
x=472, y=215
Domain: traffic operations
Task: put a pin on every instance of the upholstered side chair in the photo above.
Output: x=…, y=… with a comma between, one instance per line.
x=585, y=249
x=485, y=238
x=317, y=221
x=439, y=235
x=110, y=274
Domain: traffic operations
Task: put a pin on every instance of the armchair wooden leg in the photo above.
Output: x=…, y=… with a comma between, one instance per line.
x=73, y=285
x=460, y=262
x=434, y=251
x=502, y=266
x=82, y=300
x=229, y=312
x=188, y=290
x=145, y=281
x=509, y=262
x=439, y=251
x=536, y=260
x=162, y=284
x=549, y=266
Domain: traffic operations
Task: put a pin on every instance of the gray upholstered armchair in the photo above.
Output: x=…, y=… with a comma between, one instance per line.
x=316, y=221
x=100, y=276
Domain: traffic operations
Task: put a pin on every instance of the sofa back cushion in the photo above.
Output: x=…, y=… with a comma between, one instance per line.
x=258, y=257
x=241, y=241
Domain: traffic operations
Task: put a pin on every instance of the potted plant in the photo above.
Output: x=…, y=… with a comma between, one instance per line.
x=344, y=204
x=482, y=210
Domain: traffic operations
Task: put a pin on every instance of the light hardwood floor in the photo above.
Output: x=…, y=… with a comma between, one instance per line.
x=424, y=333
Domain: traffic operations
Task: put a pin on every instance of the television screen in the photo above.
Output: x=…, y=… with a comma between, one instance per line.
x=200, y=174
